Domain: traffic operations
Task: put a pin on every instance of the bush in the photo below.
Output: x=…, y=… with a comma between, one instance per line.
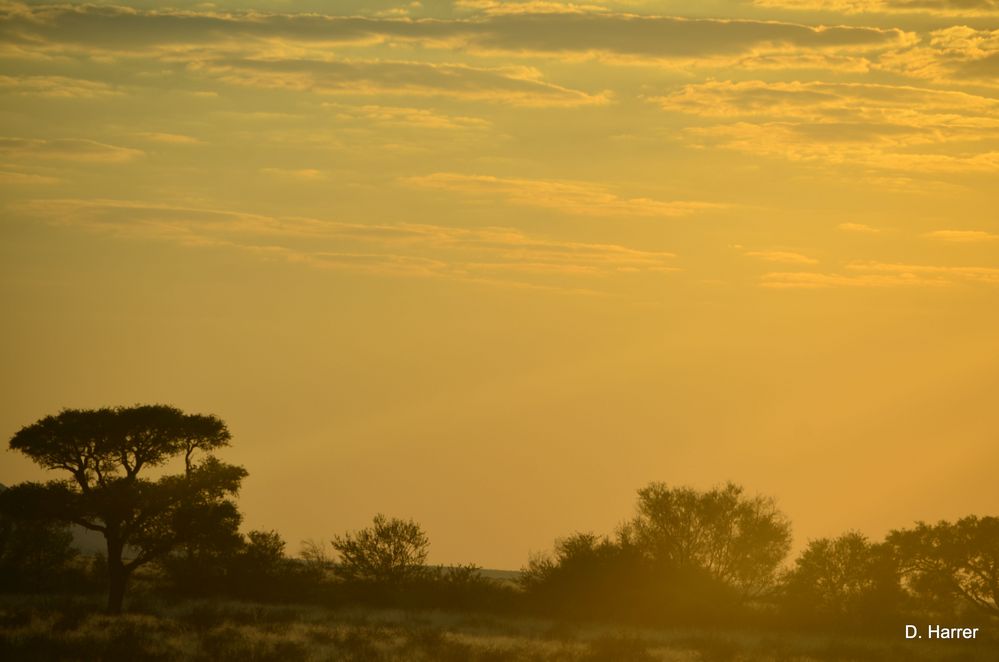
x=390, y=551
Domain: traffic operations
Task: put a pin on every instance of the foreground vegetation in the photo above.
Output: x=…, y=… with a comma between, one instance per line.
x=693, y=575
x=74, y=628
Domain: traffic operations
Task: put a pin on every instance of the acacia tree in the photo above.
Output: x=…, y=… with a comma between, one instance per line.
x=104, y=451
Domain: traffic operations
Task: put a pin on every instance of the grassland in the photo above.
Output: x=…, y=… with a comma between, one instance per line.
x=75, y=629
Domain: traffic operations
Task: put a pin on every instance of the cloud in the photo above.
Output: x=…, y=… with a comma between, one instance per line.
x=168, y=138
x=15, y=178
x=988, y=275
x=66, y=149
x=962, y=236
x=888, y=127
x=553, y=29
x=883, y=275
x=519, y=86
x=56, y=87
x=859, y=228
x=498, y=7
x=954, y=54
x=882, y=151
x=304, y=174
x=811, y=280
x=859, y=105
x=571, y=197
x=936, y=7
x=665, y=37
x=404, y=116
x=785, y=257
x=503, y=254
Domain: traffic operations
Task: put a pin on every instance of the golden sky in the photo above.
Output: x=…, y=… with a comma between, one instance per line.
x=496, y=265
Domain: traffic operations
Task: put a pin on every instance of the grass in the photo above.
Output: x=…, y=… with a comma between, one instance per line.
x=40, y=629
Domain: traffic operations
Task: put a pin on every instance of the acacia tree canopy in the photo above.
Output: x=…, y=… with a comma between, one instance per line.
x=104, y=451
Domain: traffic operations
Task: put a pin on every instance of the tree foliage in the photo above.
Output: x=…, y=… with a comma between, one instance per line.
x=686, y=556
x=846, y=580
x=952, y=562
x=739, y=541
x=107, y=454
x=391, y=550
x=590, y=576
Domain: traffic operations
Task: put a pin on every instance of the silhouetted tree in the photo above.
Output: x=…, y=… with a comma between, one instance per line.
x=263, y=572
x=588, y=576
x=846, y=580
x=253, y=566
x=686, y=556
x=389, y=551
x=204, y=565
x=264, y=549
x=737, y=540
x=949, y=562
x=104, y=452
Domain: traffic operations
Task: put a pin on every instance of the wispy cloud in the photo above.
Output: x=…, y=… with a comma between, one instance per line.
x=498, y=7
x=858, y=228
x=871, y=274
x=989, y=275
x=886, y=127
x=168, y=138
x=405, y=116
x=784, y=257
x=936, y=7
x=952, y=55
x=66, y=149
x=56, y=87
x=552, y=29
x=402, y=249
x=571, y=197
x=519, y=86
x=17, y=178
x=304, y=174
x=789, y=280
x=962, y=236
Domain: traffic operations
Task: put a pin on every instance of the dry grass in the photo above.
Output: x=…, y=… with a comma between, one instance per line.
x=74, y=629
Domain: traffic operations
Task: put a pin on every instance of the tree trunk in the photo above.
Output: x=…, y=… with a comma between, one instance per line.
x=117, y=574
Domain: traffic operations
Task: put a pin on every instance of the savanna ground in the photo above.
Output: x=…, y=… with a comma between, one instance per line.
x=64, y=628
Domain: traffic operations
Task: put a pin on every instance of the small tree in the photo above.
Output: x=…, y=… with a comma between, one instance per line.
x=389, y=551
x=843, y=580
x=264, y=552
x=588, y=576
x=105, y=452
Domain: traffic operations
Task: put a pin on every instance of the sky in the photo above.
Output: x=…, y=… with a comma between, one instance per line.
x=495, y=266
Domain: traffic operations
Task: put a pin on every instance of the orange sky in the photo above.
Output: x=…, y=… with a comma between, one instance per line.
x=495, y=266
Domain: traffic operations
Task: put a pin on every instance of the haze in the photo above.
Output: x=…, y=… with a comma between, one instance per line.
x=495, y=266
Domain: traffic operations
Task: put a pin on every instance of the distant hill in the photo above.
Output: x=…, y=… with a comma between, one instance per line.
x=502, y=575
x=87, y=541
